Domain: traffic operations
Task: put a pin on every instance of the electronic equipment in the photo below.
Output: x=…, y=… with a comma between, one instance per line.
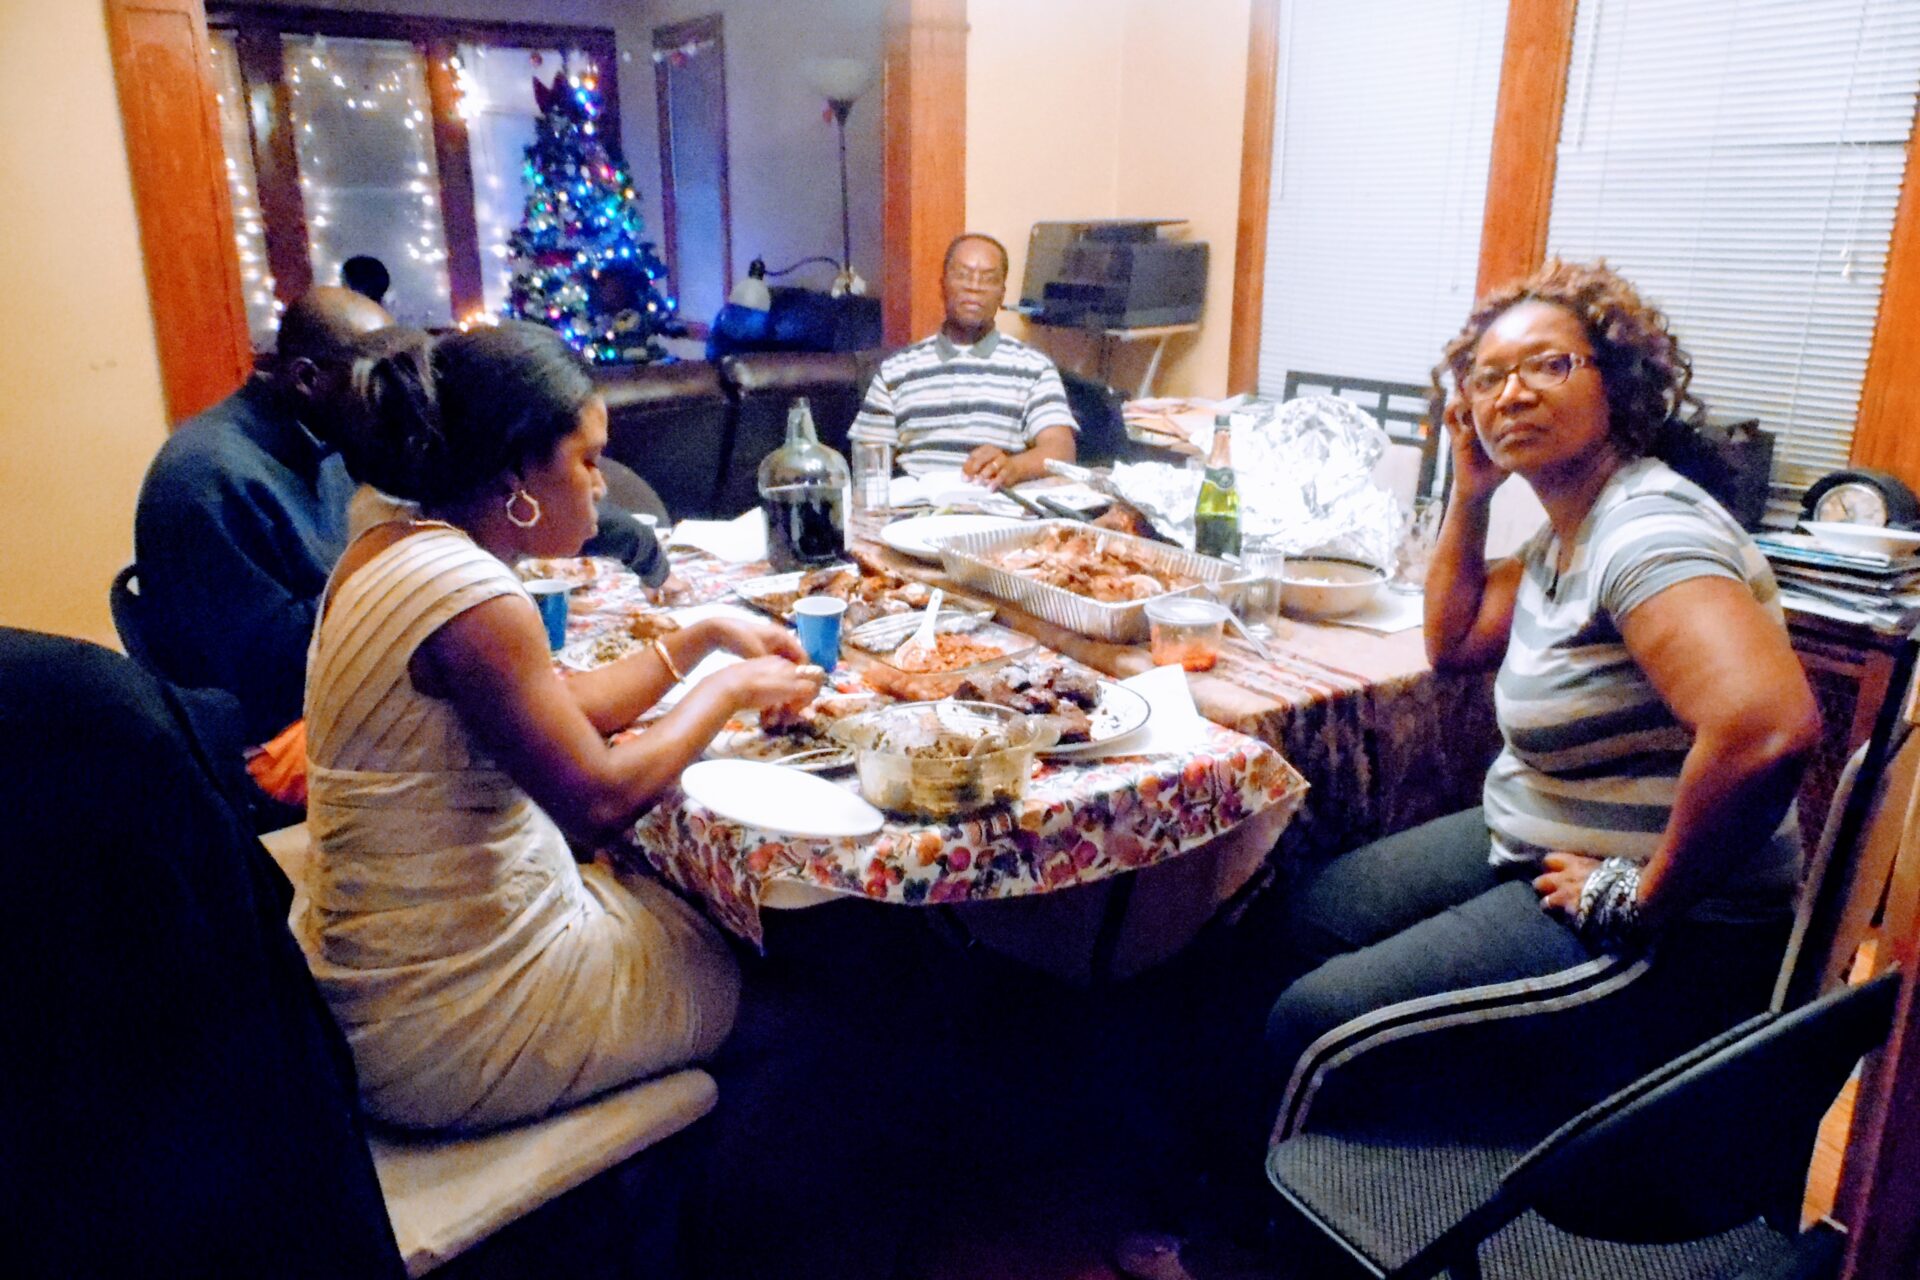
x=1112, y=274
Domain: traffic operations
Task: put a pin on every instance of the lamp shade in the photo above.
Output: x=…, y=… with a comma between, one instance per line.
x=839, y=79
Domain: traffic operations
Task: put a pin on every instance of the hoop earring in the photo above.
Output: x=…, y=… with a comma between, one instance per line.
x=521, y=495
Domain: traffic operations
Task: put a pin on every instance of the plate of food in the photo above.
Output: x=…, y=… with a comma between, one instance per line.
x=954, y=657
x=869, y=594
x=1085, y=711
x=920, y=537
x=798, y=739
x=597, y=651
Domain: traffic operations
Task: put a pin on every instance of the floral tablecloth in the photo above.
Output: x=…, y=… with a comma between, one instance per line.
x=1080, y=821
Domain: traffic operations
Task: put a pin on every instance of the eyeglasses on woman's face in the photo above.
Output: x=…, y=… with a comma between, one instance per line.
x=1540, y=371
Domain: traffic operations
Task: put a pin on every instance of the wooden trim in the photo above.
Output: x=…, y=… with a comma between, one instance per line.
x=1256, y=193
x=453, y=161
x=711, y=27
x=1526, y=130
x=276, y=166
x=597, y=42
x=925, y=165
x=1879, y=1197
x=163, y=69
x=1885, y=434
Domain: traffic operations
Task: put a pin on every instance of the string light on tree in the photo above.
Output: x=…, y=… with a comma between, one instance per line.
x=580, y=266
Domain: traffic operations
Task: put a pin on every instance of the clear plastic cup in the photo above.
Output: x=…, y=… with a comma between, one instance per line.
x=1186, y=631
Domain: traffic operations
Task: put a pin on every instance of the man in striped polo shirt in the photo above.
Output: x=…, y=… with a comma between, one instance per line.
x=970, y=396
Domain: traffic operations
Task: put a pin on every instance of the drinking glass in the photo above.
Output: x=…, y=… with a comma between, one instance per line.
x=1259, y=604
x=1419, y=532
x=872, y=475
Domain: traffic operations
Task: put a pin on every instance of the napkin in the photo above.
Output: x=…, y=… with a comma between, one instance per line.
x=738, y=541
x=1173, y=724
x=1388, y=612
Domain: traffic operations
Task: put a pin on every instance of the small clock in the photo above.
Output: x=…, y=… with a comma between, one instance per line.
x=1859, y=496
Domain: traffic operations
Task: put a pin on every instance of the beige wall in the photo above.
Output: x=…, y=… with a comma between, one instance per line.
x=80, y=400
x=1112, y=108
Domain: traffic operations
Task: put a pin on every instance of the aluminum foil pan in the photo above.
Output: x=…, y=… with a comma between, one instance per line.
x=1119, y=623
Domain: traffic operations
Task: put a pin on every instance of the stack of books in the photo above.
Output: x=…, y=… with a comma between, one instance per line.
x=1868, y=584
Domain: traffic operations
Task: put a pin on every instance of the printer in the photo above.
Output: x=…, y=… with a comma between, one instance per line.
x=1112, y=274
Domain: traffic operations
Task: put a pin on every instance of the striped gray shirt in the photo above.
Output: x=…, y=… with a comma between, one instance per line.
x=934, y=398
x=1592, y=756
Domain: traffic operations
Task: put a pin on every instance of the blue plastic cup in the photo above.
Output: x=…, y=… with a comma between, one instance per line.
x=817, y=619
x=550, y=597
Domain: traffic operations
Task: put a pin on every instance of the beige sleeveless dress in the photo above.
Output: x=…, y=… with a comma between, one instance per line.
x=480, y=974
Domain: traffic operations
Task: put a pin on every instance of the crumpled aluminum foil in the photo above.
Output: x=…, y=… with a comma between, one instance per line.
x=1304, y=470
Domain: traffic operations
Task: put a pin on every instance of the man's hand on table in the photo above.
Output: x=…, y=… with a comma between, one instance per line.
x=996, y=468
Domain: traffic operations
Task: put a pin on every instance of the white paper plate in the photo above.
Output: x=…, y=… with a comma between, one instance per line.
x=914, y=537
x=1858, y=539
x=1120, y=712
x=777, y=799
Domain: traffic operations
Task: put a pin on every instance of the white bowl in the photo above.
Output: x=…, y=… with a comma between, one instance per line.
x=1862, y=539
x=1323, y=587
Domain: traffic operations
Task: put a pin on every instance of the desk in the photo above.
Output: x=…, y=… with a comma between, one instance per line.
x=1157, y=334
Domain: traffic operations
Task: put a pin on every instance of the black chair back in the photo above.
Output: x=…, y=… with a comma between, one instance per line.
x=1848, y=868
x=1097, y=411
x=1405, y=410
x=123, y=597
x=1723, y=1140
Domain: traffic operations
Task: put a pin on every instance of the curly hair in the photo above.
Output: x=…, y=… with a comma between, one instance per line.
x=1641, y=364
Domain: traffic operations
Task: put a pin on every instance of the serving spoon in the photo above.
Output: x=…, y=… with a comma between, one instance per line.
x=920, y=644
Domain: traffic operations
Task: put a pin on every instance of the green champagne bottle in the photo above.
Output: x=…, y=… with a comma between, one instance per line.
x=1216, y=516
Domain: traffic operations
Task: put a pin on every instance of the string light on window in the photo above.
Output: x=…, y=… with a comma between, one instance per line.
x=249, y=226
x=356, y=189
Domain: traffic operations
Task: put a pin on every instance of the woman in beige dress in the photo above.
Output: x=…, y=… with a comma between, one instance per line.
x=481, y=975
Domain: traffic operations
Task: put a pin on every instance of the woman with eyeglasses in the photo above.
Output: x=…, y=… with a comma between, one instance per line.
x=1625, y=891
x=1637, y=844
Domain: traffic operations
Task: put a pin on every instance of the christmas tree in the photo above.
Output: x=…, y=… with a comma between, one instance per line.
x=580, y=266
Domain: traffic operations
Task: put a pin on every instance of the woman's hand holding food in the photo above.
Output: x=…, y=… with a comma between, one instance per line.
x=749, y=638
x=761, y=684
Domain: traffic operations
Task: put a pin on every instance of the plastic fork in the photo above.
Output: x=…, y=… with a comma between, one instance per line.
x=919, y=645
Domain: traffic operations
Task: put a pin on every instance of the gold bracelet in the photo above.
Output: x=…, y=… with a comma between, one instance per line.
x=666, y=660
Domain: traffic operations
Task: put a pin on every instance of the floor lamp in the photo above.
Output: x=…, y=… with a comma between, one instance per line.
x=841, y=81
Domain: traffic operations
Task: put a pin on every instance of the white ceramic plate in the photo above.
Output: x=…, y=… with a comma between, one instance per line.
x=1120, y=712
x=1858, y=539
x=772, y=798
x=915, y=537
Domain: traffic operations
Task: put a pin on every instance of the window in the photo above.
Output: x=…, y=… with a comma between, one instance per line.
x=1741, y=163
x=398, y=137
x=367, y=176
x=243, y=188
x=1379, y=178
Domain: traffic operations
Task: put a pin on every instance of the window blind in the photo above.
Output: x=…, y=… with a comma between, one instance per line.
x=1383, y=131
x=1740, y=162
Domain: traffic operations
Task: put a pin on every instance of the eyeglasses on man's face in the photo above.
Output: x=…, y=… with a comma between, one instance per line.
x=977, y=279
x=1540, y=371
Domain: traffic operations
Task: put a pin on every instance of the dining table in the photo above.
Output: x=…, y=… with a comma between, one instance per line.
x=1384, y=740
x=1166, y=830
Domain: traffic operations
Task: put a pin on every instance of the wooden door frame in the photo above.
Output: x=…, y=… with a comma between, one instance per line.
x=201, y=334
x=708, y=27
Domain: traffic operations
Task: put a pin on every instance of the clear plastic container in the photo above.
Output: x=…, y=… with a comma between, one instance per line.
x=1187, y=631
x=938, y=760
